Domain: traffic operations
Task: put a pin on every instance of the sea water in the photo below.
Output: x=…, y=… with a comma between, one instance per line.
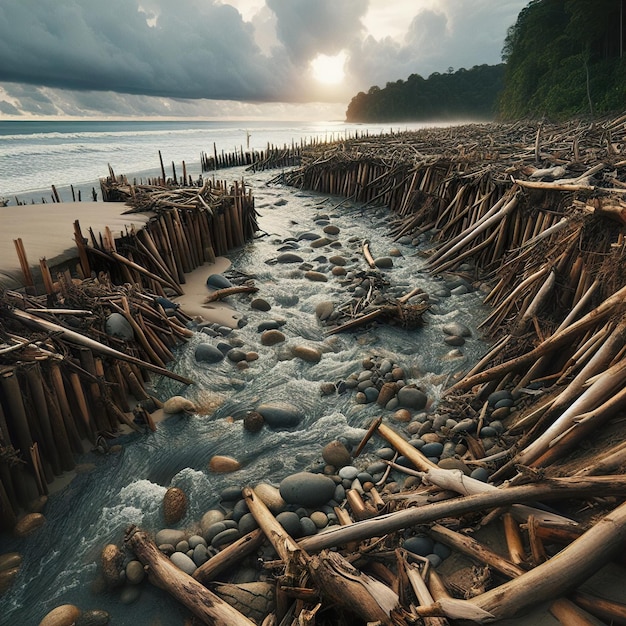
x=61, y=560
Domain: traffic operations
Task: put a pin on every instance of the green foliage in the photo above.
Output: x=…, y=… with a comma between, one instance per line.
x=563, y=58
x=464, y=94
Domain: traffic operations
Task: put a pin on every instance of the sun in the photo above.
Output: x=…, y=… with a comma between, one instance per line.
x=329, y=70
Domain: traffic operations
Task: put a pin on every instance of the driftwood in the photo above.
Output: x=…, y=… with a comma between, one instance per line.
x=196, y=597
x=220, y=294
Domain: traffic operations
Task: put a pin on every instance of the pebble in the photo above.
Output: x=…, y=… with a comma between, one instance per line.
x=480, y=473
x=259, y=304
x=308, y=526
x=225, y=537
x=496, y=396
x=412, y=398
x=290, y=521
x=169, y=535
x=253, y=421
x=320, y=242
x=456, y=329
x=383, y=262
x=217, y=281
x=289, y=257
x=280, y=414
x=208, y=353
x=336, y=454
x=501, y=413
x=307, y=489
x=268, y=325
x=433, y=449
x=349, y=472
x=337, y=259
x=183, y=562
x=402, y=415
x=307, y=354
x=28, y=524
x=331, y=229
x=236, y=355
x=112, y=561
x=211, y=517
x=223, y=464
x=420, y=545
x=316, y=276
x=134, y=572
x=454, y=340
x=272, y=337
x=93, y=617
x=323, y=310
x=116, y=325
x=64, y=615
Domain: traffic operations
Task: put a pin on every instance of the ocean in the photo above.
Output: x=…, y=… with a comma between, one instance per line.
x=35, y=155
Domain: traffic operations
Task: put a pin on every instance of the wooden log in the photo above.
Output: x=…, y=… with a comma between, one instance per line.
x=423, y=595
x=608, y=610
x=569, y=614
x=229, y=556
x=31, y=320
x=552, y=489
x=220, y=294
x=196, y=597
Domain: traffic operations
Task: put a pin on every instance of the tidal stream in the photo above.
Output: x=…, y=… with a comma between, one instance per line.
x=61, y=559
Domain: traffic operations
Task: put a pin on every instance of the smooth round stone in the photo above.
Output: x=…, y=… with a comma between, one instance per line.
x=289, y=257
x=420, y=545
x=435, y=559
x=28, y=524
x=488, y=431
x=340, y=493
x=336, y=454
x=452, y=463
x=320, y=242
x=221, y=464
x=331, y=229
x=270, y=496
x=307, y=354
x=496, y=396
x=272, y=337
x=323, y=310
x=93, y=617
x=131, y=593
x=317, y=277
x=308, y=236
x=217, y=281
x=308, y=526
x=225, y=537
x=385, y=453
x=456, y=329
x=454, y=340
x=213, y=530
x=371, y=394
x=169, y=535
x=247, y=523
x=387, y=392
x=307, y=489
x=268, y=325
x=117, y=325
x=134, y=572
x=377, y=467
x=505, y=402
x=412, y=398
x=236, y=355
x=182, y=546
x=200, y=555
x=10, y=560
x=182, y=561
x=208, y=353
x=459, y=291
x=501, y=413
x=63, y=615
x=320, y=519
x=280, y=414
x=291, y=523
x=383, y=262
x=231, y=494
x=211, y=517
x=337, y=259
x=349, y=472
x=480, y=473
x=441, y=550
x=433, y=449
x=466, y=425
x=253, y=421
x=259, y=304
x=497, y=426
x=402, y=415
x=328, y=389
x=196, y=540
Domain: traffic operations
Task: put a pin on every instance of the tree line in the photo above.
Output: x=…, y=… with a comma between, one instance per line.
x=561, y=58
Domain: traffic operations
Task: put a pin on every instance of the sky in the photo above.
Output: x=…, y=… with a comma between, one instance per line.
x=231, y=59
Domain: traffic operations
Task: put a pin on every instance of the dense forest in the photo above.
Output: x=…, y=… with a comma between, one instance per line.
x=561, y=58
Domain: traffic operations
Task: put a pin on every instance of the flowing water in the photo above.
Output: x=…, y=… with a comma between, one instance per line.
x=61, y=559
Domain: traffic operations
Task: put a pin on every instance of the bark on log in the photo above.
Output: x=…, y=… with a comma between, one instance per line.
x=196, y=597
x=552, y=489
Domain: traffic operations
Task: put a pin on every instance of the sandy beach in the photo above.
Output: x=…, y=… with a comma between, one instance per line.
x=46, y=232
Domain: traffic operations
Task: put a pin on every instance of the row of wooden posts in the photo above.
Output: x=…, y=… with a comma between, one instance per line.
x=66, y=384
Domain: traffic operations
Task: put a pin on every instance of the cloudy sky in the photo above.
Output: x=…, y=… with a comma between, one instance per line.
x=296, y=59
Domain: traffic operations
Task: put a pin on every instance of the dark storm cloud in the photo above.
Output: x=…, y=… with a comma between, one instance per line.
x=196, y=49
x=307, y=28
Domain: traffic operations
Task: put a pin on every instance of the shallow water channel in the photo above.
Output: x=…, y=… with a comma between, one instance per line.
x=61, y=559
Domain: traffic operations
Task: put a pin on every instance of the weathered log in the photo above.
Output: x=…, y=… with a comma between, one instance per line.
x=351, y=589
x=569, y=614
x=195, y=596
x=608, y=610
x=552, y=489
x=220, y=294
x=73, y=336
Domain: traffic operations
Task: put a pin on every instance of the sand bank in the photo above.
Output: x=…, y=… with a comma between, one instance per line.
x=47, y=231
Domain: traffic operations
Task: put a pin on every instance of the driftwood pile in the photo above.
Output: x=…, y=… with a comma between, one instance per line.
x=66, y=381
